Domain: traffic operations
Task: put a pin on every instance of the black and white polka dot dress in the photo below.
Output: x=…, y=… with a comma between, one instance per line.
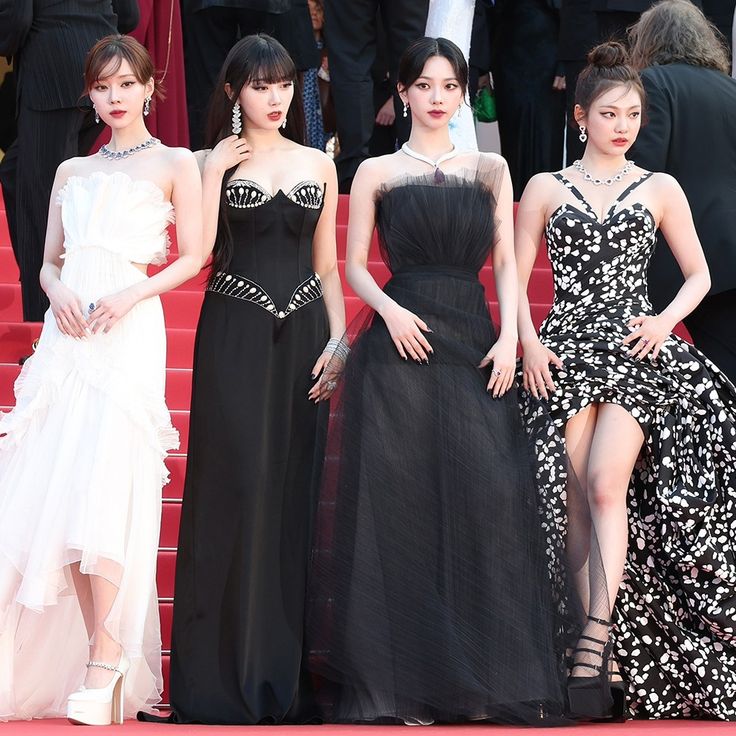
x=675, y=619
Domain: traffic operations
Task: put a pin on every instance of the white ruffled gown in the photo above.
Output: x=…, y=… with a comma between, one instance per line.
x=82, y=462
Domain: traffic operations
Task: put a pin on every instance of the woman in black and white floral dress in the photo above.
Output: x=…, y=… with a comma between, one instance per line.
x=649, y=423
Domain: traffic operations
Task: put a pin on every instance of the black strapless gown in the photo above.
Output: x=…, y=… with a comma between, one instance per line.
x=431, y=593
x=253, y=456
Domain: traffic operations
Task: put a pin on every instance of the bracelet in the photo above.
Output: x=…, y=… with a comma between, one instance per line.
x=337, y=348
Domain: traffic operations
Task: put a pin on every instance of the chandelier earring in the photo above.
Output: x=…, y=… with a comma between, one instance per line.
x=147, y=105
x=457, y=114
x=97, y=115
x=583, y=135
x=406, y=110
x=237, y=119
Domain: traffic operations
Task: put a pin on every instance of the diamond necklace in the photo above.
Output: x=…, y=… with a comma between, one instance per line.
x=105, y=152
x=439, y=175
x=618, y=176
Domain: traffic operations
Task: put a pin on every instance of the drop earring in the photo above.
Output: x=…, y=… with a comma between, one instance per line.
x=583, y=135
x=457, y=114
x=283, y=125
x=97, y=115
x=237, y=119
x=406, y=110
x=147, y=105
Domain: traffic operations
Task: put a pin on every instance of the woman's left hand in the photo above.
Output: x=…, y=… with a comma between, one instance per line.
x=108, y=310
x=502, y=358
x=325, y=384
x=649, y=333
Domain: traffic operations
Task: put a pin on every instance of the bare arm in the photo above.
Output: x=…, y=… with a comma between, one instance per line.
x=406, y=328
x=502, y=356
x=531, y=218
x=324, y=262
x=65, y=304
x=676, y=224
x=213, y=164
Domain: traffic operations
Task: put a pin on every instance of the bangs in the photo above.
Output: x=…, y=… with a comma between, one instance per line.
x=271, y=65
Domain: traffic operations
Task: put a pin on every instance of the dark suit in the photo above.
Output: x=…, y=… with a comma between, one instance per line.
x=690, y=134
x=351, y=37
x=49, y=40
x=211, y=29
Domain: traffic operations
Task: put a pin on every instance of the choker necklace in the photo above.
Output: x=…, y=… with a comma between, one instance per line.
x=439, y=175
x=105, y=152
x=605, y=182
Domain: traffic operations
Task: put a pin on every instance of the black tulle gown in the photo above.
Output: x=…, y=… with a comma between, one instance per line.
x=248, y=497
x=430, y=594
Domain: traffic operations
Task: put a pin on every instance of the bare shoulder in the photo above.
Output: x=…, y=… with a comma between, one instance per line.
x=540, y=186
x=665, y=183
x=492, y=160
x=201, y=156
x=178, y=156
x=77, y=166
x=379, y=169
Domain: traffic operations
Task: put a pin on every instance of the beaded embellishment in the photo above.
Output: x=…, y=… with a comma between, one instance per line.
x=245, y=194
x=241, y=287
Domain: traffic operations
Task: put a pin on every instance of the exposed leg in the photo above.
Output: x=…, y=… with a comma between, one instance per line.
x=104, y=648
x=84, y=596
x=617, y=440
x=578, y=438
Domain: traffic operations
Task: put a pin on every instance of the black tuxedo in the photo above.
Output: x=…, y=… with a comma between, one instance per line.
x=690, y=134
x=48, y=40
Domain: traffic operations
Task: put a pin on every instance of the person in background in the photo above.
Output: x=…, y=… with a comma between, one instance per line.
x=690, y=134
x=351, y=37
x=48, y=41
x=211, y=28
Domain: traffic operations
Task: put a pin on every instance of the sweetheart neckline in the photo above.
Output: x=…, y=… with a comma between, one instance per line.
x=594, y=218
x=268, y=194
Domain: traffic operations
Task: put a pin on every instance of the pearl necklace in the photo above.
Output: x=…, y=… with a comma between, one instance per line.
x=439, y=175
x=618, y=176
x=105, y=152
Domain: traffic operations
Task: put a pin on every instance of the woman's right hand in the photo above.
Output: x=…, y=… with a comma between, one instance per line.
x=229, y=152
x=406, y=331
x=535, y=364
x=67, y=310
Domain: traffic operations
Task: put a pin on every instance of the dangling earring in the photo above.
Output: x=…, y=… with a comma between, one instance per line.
x=147, y=105
x=406, y=110
x=457, y=114
x=97, y=115
x=583, y=135
x=237, y=119
x=283, y=125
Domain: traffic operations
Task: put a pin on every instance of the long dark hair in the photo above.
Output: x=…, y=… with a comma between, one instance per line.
x=254, y=57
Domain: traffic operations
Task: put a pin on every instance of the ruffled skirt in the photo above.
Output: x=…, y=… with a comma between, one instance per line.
x=81, y=470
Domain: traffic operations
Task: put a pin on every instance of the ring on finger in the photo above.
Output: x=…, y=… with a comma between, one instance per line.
x=496, y=372
x=331, y=385
x=645, y=341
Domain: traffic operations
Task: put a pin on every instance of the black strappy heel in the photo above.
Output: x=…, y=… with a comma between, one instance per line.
x=594, y=697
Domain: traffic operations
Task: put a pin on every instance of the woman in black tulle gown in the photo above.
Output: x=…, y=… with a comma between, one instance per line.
x=272, y=301
x=430, y=592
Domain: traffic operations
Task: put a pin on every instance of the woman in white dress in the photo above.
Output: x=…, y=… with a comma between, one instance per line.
x=82, y=453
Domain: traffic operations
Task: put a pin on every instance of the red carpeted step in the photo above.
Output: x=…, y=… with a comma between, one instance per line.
x=177, y=465
x=166, y=612
x=8, y=267
x=165, y=573
x=170, y=517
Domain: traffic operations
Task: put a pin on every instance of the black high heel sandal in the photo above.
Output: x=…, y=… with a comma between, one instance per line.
x=594, y=697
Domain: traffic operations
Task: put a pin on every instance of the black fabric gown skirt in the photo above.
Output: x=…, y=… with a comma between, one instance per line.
x=245, y=529
x=430, y=593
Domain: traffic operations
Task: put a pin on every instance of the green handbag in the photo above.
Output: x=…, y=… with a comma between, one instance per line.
x=484, y=106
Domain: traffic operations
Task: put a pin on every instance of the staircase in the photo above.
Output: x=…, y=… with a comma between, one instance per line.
x=181, y=309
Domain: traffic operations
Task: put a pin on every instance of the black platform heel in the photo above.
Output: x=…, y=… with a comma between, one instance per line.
x=594, y=697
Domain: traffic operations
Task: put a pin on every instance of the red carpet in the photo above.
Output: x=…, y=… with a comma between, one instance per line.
x=631, y=728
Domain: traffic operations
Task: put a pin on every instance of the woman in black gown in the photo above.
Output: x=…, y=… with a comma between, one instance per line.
x=273, y=299
x=430, y=594
x=648, y=421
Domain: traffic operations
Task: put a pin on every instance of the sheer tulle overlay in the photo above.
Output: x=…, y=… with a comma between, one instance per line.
x=439, y=587
x=82, y=463
x=673, y=632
